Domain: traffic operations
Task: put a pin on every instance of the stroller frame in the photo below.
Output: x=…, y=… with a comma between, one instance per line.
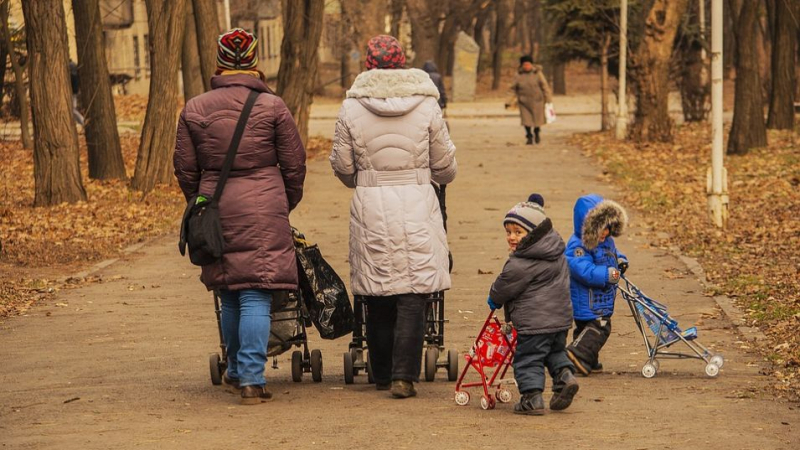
x=354, y=359
x=474, y=360
x=302, y=361
x=660, y=331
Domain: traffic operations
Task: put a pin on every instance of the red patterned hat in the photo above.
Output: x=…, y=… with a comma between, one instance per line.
x=237, y=51
x=384, y=52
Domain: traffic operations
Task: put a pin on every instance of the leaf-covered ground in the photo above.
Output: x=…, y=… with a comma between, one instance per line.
x=756, y=259
x=39, y=246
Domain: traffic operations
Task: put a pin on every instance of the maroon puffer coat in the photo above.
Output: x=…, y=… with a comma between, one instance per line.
x=266, y=181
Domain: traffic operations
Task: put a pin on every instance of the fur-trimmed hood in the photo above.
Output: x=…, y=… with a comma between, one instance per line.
x=388, y=83
x=593, y=214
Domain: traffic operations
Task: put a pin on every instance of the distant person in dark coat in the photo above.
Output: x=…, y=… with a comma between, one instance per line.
x=436, y=77
x=76, y=86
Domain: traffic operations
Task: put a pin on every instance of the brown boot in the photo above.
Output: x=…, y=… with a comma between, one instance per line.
x=232, y=382
x=253, y=395
x=403, y=389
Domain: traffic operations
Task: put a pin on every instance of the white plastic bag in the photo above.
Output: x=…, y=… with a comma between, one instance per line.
x=549, y=113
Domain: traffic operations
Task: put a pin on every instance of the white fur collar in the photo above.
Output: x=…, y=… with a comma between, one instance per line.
x=389, y=83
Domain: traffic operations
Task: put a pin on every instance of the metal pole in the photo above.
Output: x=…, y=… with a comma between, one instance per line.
x=622, y=106
x=716, y=185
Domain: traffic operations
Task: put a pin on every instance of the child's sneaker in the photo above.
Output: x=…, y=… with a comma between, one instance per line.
x=531, y=404
x=564, y=390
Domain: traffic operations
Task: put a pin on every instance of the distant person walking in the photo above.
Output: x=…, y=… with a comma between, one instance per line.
x=436, y=77
x=531, y=92
x=265, y=184
x=390, y=143
x=75, y=82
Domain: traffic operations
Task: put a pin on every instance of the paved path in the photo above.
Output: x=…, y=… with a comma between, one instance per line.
x=123, y=364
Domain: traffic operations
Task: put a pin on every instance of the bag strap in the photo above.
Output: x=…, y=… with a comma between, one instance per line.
x=237, y=137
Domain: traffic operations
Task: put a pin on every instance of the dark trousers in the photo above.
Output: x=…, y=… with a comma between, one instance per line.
x=395, y=333
x=589, y=338
x=535, y=352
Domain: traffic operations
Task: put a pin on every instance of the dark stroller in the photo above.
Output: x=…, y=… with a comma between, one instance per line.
x=290, y=317
x=354, y=359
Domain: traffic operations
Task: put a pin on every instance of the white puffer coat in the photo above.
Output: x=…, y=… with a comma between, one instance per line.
x=390, y=143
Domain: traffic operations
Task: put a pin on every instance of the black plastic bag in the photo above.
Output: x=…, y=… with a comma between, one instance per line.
x=324, y=293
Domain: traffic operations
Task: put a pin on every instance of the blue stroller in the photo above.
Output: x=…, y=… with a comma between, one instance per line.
x=660, y=331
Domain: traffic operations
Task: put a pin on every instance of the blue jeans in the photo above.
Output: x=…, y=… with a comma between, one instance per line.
x=245, y=327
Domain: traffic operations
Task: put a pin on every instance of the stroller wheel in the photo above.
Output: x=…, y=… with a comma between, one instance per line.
x=649, y=370
x=316, y=365
x=431, y=356
x=297, y=366
x=216, y=373
x=657, y=363
x=462, y=398
x=503, y=396
x=452, y=365
x=718, y=360
x=712, y=370
x=487, y=402
x=348, y=368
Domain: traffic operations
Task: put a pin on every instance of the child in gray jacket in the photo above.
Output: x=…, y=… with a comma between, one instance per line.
x=534, y=289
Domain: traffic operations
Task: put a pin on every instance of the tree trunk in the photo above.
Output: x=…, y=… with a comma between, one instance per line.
x=190, y=58
x=165, y=21
x=302, y=28
x=447, y=41
x=364, y=20
x=3, y=59
x=693, y=82
x=102, y=137
x=748, y=129
x=396, y=7
x=535, y=27
x=559, y=78
x=424, y=30
x=651, y=65
x=500, y=30
x=19, y=82
x=781, y=99
x=604, y=121
x=480, y=25
x=207, y=26
x=56, y=164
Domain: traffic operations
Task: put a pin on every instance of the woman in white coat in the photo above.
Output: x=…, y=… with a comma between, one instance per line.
x=390, y=143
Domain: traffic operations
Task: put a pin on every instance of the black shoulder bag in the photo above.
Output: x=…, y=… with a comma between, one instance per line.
x=201, y=228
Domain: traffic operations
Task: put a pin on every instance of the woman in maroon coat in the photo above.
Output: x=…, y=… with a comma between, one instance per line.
x=265, y=184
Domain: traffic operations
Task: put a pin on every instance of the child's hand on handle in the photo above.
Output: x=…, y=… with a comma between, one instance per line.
x=622, y=263
x=613, y=275
x=491, y=304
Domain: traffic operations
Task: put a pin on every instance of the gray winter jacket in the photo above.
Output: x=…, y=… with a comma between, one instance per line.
x=534, y=284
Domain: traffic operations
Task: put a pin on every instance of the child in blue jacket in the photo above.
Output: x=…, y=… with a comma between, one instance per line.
x=595, y=267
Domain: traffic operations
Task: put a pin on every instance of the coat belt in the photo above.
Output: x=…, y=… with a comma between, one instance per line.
x=374, y=178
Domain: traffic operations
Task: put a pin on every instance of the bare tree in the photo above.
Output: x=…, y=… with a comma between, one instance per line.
x=19, y=82
x=651, y=68
x=748, y=129
x=165, y=21
x=190, y=58
x=784, y=41
x=424, y=16
x=56, y=167
x=396, y=8
x=499, y=40
x=363, y=19
x=302, y=29
x=102, y=137
x=207, y=26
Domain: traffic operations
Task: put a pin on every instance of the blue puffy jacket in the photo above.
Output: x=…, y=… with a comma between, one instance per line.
x=589, y=259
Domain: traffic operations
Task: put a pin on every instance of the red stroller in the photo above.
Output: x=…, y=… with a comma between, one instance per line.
x=493, y=349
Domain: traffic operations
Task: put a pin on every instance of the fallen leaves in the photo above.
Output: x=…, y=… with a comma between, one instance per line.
x=755, y=260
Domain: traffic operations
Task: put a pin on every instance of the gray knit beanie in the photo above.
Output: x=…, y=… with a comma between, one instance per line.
x=528, y=215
